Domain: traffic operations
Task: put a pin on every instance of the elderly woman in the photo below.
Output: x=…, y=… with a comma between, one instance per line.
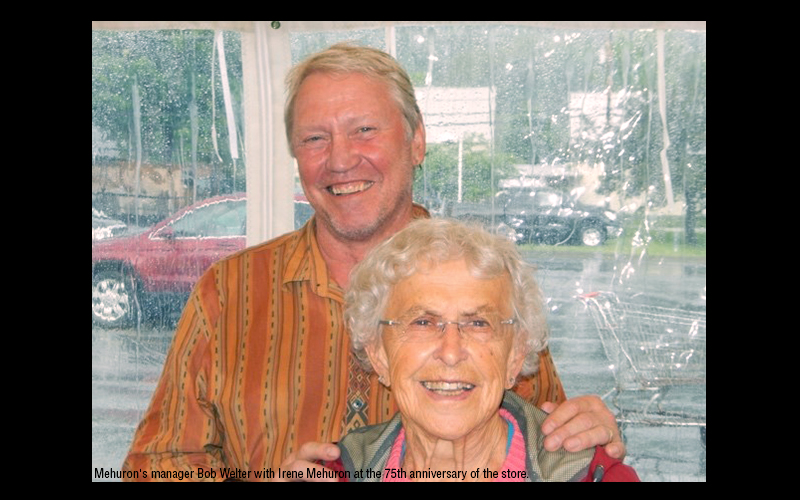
x=448, y=316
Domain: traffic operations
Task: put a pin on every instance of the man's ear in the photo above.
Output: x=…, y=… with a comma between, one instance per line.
x=418, y=145
x=380, y=362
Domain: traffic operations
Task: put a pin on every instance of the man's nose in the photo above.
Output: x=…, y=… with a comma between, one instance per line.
x=343, y=156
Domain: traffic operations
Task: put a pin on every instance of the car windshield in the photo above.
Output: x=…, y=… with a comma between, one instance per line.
x=221, y=219
x=546, y=199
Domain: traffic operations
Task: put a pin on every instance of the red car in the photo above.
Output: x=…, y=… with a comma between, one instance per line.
x=169, y=257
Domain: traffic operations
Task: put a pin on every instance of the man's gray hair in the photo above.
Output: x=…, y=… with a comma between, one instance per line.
x=426, y=243
x=343, y=58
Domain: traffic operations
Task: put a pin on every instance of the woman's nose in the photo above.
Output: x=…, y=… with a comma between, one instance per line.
x=451, y=350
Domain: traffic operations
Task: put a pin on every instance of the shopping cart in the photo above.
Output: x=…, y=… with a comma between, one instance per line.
x=652, y=350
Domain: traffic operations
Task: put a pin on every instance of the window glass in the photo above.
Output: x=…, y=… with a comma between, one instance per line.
x=587, y=147
x=167, y=136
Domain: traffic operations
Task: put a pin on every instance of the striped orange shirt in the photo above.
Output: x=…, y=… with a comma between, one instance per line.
x=261, y=363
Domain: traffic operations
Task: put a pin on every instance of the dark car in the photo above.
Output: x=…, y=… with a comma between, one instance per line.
x=168, y=258
x=545, y=216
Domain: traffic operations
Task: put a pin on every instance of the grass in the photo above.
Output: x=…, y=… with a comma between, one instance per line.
x=665, y=238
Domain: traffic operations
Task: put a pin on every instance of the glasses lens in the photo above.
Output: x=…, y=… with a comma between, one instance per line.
x=428, y=327
x=478, y=329
x=422, y=328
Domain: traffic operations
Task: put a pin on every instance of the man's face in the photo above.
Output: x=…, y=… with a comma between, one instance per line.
x=354, y=156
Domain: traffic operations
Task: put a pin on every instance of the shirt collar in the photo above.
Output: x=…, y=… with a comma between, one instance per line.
x=305, y=263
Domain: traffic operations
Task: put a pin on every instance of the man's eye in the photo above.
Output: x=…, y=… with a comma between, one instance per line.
x=313, y=141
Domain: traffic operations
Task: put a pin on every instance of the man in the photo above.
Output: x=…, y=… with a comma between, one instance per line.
x=260, y=374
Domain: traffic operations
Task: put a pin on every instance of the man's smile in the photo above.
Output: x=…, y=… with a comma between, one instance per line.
x=349, y=187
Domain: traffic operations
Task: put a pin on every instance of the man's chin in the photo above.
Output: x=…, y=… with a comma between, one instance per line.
x=355, y=231
x=360, y=223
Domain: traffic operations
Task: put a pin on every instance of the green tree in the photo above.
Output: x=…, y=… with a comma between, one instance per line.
x=437, y=181
x=171, y=72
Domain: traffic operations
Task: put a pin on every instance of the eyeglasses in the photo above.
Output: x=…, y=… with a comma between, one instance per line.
x=425, y=328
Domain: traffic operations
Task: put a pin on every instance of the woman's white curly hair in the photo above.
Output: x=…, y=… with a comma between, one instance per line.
x=428, y=242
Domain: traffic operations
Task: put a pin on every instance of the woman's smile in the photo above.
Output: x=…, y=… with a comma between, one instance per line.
x=448, y=389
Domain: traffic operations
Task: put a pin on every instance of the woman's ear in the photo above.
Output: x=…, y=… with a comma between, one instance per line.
x=380, y=363
x=516, y=358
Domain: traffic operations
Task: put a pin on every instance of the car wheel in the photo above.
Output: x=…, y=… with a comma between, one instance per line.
x=113, y=299
x=592, y=236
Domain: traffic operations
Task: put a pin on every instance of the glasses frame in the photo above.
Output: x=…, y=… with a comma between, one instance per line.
x=441, y=326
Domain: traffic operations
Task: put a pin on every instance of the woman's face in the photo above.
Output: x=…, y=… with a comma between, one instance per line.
x=450, y=385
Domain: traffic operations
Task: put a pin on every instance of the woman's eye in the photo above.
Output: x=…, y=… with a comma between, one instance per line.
x=423, y=322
